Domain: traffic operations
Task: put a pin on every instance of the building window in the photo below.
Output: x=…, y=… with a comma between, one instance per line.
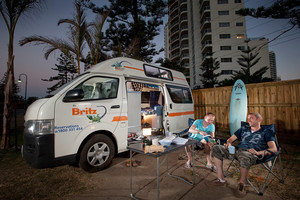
x=239, y=36
x=222, y=1
x=226, y=59
x=229, y=72
x=224, y=24
x=225, y=48
x=239, y=24
x=223, y=12
x=241, y=48
x=237, y=1
x=224, y=36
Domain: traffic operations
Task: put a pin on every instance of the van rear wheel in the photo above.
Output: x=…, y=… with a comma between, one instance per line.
x=97, y=153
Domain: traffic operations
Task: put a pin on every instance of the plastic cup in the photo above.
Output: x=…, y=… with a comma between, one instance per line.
x=155, y=141
x=231, y=149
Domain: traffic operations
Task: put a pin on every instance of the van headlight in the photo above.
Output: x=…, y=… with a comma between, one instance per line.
x=39, y=127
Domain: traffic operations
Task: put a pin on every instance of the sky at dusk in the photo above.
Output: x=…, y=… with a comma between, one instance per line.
x=30, y=60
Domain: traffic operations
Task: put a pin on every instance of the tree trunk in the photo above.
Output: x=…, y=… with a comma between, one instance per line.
x=8, y=91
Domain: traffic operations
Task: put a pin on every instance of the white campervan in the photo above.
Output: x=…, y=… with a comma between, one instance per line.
x=91, y=118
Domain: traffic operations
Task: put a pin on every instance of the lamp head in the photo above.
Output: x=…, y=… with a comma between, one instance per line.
x=19, y=80
x=146, y=131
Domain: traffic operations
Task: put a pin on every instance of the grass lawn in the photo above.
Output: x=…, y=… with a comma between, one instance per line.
x=20, y=181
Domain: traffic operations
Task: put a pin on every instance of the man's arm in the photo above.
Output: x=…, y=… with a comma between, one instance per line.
x=230, y=141
x=272, y=147
x=194, y=130
x=212, y=134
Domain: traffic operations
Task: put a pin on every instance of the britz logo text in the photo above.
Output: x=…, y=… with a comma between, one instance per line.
x=87, y=111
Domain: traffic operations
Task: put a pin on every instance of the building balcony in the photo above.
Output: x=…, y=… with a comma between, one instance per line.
x=184, y=18
x=206, y=8
x=184, y=27
x=204, y=22
x=204, y=27
x=206, y=44
x=204, y=15
x=184, y=36
x=174, y=5
x=184, y=56
x=174, y=15
x=206, y=55
x=176, y=46
x=183, y=2
x=183, y=9
x=203, y=3
x=174, y=39
x=174, y=31
x=175, y=55
x=174, y=50
x=184, y=46
x=208, y=30
x=205, y=36
x=174, y=22
x=186, y=65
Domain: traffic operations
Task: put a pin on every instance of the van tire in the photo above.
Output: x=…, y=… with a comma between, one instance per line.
x=97, y=153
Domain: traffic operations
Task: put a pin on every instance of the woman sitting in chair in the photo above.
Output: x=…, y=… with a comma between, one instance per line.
x=202, y=130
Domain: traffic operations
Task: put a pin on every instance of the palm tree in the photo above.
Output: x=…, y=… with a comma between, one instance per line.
x=95, y=38
x=11, y=11
x=80, y=35
x=79, y=31
x=73, y=49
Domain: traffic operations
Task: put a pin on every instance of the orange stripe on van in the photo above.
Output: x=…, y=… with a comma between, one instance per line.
x=134, y=68
x=120, y=118
x=180, y=78
x=181, y=113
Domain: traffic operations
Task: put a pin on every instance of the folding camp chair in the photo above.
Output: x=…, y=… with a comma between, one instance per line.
x=268, y=162
x=198, y=158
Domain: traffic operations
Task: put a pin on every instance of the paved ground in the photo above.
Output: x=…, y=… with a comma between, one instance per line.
x=114, y=182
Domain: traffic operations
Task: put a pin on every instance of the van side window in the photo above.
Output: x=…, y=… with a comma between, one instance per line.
x=180, y=94
x=99, y=88
x=157, y=72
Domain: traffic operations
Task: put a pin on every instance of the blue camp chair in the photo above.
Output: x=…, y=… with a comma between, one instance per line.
x=268, y=162
x=218, y=141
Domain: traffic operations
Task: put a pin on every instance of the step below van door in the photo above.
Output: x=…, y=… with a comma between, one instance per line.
x=98, y=111
x=179, y=108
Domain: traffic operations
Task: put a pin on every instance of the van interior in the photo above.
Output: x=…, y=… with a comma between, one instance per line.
x=145, y=108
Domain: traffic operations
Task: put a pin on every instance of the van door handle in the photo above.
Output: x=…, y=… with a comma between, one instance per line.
x=115, y=106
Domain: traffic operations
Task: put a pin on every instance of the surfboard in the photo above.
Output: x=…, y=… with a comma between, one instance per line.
x=238, y=106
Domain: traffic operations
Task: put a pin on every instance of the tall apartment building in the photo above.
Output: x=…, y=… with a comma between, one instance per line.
x=273, y=69
x=198, y=28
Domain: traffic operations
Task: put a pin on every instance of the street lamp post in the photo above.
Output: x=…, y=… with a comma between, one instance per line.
x=25, y=97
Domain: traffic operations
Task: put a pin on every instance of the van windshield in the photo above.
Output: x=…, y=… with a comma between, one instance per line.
x=65, y=85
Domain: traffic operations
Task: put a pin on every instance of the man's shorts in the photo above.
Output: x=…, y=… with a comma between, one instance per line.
x=245, y=158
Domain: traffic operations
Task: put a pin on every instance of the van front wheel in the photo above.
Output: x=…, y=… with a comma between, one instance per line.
x=97, y=153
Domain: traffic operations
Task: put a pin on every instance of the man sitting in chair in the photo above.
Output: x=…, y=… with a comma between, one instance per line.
x=201, y=130
x=255, y=141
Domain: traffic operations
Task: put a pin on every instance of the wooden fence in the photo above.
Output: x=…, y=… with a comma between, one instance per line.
x=278, y=103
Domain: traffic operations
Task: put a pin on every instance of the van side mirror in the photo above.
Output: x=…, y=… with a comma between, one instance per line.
x=74, y=95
